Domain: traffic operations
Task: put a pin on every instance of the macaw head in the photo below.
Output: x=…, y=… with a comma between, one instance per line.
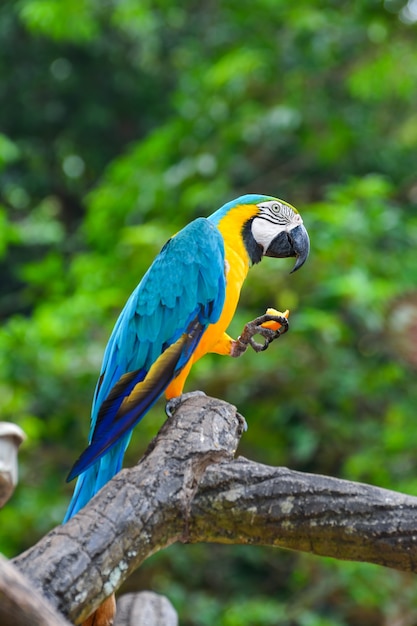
x=268, y=226
x=276, y=230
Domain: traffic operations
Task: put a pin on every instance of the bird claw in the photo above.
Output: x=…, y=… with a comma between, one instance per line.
x=256, y=327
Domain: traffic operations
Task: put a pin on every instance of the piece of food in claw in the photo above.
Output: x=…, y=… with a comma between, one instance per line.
x=275, y=325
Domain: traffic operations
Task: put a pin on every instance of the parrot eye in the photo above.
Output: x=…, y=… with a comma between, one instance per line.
x=277, y=212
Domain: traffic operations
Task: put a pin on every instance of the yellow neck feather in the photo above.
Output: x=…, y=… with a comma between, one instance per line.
x=231, y=227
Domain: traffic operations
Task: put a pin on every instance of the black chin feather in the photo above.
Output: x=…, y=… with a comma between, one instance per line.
x=253, y=248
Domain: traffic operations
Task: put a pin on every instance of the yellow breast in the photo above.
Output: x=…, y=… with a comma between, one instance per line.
x=237, y=266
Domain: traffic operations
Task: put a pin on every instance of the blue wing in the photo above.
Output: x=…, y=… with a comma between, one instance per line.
x=156, y=333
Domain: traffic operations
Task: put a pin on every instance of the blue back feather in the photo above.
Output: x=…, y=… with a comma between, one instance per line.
x=183, y=288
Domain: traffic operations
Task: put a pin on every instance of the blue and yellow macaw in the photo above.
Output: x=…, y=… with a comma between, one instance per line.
x=179, y=311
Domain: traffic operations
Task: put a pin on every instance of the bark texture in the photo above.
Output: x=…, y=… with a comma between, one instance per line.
x=190, y=488
x=20, y=605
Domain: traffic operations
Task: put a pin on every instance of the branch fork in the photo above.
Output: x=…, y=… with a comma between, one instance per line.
x=190, y=487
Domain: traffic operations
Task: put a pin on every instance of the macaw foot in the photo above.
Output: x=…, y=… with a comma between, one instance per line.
x=257, y=327
x=173, y=404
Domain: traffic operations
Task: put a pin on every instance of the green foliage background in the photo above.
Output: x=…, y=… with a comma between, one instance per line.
x=122, y=120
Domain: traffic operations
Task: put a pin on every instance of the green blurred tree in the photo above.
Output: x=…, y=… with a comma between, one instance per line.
x=120, y=122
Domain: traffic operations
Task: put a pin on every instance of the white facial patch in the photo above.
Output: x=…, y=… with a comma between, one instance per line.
x=273, y=219
x=264, y=231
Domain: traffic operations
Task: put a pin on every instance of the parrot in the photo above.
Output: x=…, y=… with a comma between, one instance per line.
x=180, y=311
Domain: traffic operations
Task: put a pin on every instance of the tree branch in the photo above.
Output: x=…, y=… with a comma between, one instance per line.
x=261, y=505
x=20, y=605
x=188, y=487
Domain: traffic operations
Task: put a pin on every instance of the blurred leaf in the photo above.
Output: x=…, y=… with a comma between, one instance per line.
x=73, y=21
x=9, y=151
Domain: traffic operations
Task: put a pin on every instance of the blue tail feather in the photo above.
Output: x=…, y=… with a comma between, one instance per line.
x=97, y=475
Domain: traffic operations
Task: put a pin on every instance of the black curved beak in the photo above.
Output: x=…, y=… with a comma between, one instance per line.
x=296, y=243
